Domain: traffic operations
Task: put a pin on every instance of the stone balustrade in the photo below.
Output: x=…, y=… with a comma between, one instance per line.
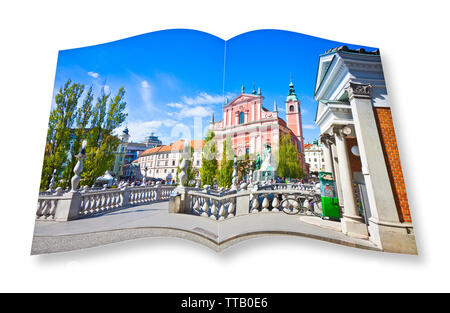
x=63, y=206
x=212, y=206
x=260, y=199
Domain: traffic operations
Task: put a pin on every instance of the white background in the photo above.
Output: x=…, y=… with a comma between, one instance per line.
x=413, y=37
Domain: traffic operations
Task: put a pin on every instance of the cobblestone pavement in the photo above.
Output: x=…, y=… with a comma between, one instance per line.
x=155, y=221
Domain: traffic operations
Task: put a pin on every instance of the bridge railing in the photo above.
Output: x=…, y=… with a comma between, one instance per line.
x=64, y=206
x=266, y=198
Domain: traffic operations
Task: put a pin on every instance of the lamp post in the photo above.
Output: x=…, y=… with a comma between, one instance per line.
x=145, y=176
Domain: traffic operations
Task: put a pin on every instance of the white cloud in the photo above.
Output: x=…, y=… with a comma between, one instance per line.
x=199, y=111
x=146, y=94
x=309, y=126
x=169, y=122
x=93, y=74
x=106, y=89
x=304, y=111
x=205, y=98
x=139, y=129
x=176, y=105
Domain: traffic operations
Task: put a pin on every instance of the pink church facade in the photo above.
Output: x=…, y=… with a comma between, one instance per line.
x=251, y=126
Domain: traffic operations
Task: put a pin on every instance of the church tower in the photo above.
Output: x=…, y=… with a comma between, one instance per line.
x=293, y=115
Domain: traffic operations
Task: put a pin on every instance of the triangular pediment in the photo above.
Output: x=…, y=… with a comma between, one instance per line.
x=243, y=97
x=324, y=66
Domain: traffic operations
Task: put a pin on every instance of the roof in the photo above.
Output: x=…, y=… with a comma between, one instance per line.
x=175, y=146
x=346, y=49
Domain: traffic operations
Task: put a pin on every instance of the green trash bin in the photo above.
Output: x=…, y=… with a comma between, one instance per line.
x=330, y=203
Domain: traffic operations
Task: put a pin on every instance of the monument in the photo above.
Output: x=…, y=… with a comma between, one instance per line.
x=264, y=169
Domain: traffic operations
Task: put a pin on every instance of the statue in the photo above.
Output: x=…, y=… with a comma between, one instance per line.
x=267, y=164
x=258, y=162
x=78, y=167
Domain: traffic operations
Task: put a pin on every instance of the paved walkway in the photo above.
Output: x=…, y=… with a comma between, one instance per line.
x=155, y=221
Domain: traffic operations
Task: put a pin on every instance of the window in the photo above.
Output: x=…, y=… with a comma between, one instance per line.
x=173, y=163
x=198, y=163
x=291, y=108
x=241, y=118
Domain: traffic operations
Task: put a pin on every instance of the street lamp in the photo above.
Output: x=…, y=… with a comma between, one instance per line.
x=145, y=176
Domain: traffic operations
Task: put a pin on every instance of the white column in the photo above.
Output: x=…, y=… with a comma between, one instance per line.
x=327, y=154
x=352, y=224
x=384, y=224
x=337, y=177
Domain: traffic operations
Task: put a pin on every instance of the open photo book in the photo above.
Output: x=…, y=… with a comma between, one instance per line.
x=179, y=133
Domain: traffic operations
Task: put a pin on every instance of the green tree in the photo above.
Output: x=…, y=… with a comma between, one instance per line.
x=208, y=171
x=101, y=142
x=84, y=115
x=225, y=175
x=288, y=163
x=243, y=167
x=60, y=125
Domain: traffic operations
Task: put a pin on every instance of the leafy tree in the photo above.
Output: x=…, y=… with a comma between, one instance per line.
x=288, y=163
x=243, y=167
x=225, y=175
x=84, y=114
x=60, y=125
x=69, y=125
x=101, y=142
x=208, y=171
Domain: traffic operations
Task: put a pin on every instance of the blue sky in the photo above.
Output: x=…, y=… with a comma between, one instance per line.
x=175, y=77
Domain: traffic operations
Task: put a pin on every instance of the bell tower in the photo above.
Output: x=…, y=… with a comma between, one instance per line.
x=293, y=114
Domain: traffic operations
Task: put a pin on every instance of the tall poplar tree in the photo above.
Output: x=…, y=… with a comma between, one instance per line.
x=60, y=125
x=101, y=142
x=225, y=175
x=288, y=163
x=208, y=170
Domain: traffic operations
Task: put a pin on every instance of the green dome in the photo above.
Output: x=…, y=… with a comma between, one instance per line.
x=292, y=95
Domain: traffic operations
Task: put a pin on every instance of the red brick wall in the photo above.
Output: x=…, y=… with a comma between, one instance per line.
x=355, y=161
x=383, y=118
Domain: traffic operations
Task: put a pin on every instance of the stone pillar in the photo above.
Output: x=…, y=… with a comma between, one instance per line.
x=326, y=144
x=337, y=177
x=352, y=224
x=384, y=224
x=68, y=207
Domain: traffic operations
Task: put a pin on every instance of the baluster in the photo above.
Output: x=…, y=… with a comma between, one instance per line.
x=98, y=202
x=231, y=209
x=275, y=203
x=51, y=213
x=39, y=208
x=222, y=212
x=196, y=206
x=255, y=204
x=213, y=210
x=205, y=208
x=265, y=204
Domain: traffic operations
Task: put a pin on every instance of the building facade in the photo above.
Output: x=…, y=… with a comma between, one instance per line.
x=162, y=162
x=360, y=148
x=127, y=152
x=250, y=126
x=152, y=141
x=314, y=157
